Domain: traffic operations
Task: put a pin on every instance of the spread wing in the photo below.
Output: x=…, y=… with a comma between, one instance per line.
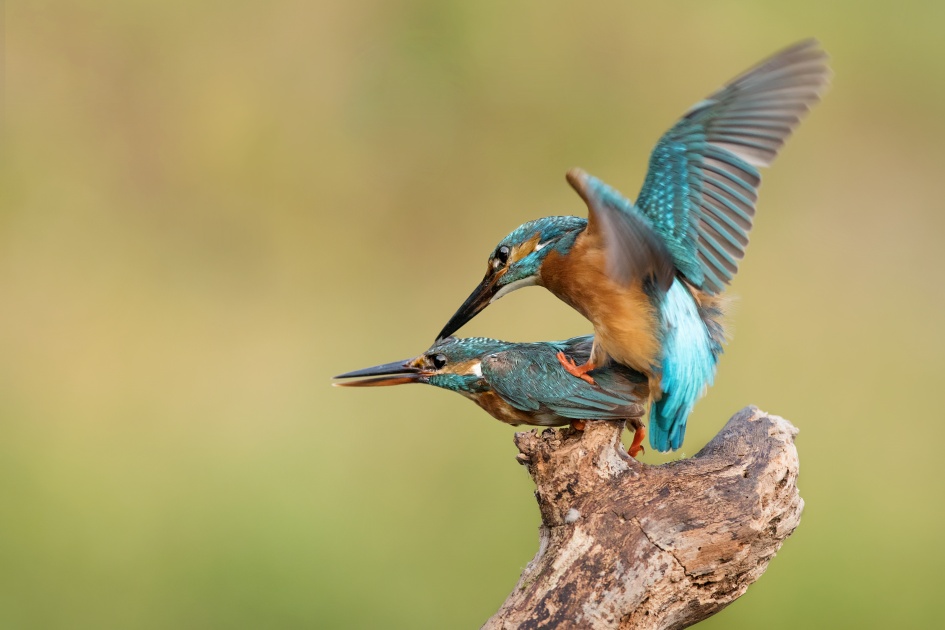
x=700, y=191
x=530, y=377
x=634, y=249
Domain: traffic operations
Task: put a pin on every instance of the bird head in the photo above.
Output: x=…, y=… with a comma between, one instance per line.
x=516, y=262
x=451, y=363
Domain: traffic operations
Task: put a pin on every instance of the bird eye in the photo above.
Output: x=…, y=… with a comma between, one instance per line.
x=439, y=361
x=502, y=254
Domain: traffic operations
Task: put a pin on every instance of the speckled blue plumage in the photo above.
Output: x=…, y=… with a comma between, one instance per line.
x=519, y=383
x=529, y=376
x=529, y=379
x=557, y=232
x=702, y=184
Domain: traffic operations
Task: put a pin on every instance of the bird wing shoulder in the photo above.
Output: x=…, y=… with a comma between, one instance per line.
x=633, y=249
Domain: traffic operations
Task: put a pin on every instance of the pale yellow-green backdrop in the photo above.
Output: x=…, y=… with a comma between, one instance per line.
x=209, y=209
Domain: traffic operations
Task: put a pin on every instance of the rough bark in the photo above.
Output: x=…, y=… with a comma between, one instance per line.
x=628, y=545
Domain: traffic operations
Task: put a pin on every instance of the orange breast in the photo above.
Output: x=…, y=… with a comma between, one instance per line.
x=499, y=409
x=493, y=404
x=625, y=322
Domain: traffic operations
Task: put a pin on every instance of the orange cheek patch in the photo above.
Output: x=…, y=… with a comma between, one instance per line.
x=521, y=251
x=466, y=367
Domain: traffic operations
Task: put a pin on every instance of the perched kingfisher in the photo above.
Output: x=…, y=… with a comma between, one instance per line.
x=522, y=383
x=648, y=275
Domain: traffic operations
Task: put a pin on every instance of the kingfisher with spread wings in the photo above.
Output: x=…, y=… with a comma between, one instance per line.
x=649, y=274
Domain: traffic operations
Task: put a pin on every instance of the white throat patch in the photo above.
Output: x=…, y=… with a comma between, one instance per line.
x=518, y=284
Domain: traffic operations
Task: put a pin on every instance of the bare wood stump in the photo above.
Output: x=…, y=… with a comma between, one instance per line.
x=628, y=545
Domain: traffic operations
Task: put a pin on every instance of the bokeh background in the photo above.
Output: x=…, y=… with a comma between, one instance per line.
x=209, y=209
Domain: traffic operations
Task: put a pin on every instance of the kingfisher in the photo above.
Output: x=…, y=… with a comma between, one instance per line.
x=649, y=275
x=522, y=383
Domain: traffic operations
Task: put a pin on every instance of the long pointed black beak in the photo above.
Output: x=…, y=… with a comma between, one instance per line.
x=477, y=300
x=396, y=373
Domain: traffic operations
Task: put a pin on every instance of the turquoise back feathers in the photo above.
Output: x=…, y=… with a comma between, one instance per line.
x=518, y=383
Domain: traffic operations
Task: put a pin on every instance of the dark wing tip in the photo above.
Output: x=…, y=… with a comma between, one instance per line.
x=760, y=108
x=727, y=136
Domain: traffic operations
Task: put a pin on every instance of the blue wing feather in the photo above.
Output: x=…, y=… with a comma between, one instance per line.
x=701, y=187
x=530, y=378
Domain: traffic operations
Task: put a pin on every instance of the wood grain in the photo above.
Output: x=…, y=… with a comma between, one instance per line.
x=629, y=545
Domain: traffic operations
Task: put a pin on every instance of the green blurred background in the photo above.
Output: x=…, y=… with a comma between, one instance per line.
x=210, y=209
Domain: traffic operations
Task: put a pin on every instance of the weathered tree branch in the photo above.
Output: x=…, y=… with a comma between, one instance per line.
x=628, y=545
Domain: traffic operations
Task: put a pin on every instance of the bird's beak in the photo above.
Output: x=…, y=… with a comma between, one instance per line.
x=396, y=373
x=477, y=300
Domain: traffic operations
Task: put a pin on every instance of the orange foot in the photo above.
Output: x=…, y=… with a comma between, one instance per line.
x=578, y=425
x=637, y=446
x=579, y=371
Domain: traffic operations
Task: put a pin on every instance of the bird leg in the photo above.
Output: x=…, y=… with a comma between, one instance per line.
x=637, y=446
x=573, y=368
x=578, y=425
